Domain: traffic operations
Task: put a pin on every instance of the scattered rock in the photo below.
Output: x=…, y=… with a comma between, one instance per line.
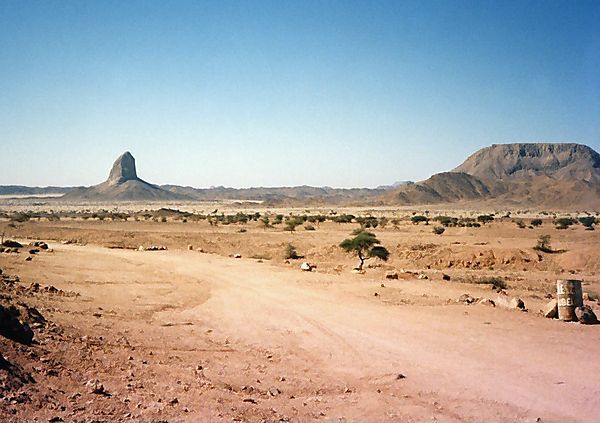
x=422, y=276
x=466, y=298
x=141, y=248
x=517, y=303
x=486, y=301
x=95, y=387
x=550, y=310
x=29, y=258
x=273, y=391
x=12, y=328
x=400, y=376
x=586, y=315
x=237, y=256
x=34, y=251
x=513, y=303
x=358, y=271
x=391, y=275
x=445, y=277
x=306, y=267
x=156, y=248
x=190, y=247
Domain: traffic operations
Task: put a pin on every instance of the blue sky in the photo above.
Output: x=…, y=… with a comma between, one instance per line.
x=256, y=93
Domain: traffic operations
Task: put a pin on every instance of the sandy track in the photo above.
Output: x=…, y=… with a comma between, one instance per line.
x=473, y=363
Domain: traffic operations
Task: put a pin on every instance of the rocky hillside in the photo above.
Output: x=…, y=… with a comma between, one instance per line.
x=564, y=162
x=123, y=184
x=524, y=175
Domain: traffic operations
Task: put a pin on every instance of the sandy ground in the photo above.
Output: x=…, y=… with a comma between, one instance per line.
x=186, y=336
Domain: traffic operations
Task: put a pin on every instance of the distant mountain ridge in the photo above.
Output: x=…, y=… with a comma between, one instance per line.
x=528, y=174
x=566, y=161
x=519, y=174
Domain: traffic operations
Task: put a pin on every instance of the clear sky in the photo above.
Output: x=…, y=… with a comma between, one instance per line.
x=256, y=93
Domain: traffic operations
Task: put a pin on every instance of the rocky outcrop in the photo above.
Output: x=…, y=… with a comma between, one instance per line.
x=123, y=184
x=123, y=170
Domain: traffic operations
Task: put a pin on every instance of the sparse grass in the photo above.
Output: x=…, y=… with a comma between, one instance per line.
x=261, y=256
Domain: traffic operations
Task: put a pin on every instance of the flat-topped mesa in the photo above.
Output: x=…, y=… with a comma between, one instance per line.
x=123, y=170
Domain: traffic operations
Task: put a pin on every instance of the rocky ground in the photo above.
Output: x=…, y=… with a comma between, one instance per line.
x=104, y=334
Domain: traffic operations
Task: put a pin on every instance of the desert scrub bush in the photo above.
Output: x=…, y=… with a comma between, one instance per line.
x=265, y=222
x=496, y=281
x=543, y=244
x=364, y=245
x=20, y=217
x=418, y=219
x=520, y=224
x=564, y=222
x=278, y=219
x=588, y=222
x=291, y=223
x=438, y=230
x=446, y=220
x=367, y=222
x=344, y=218
x=536, y=222
x=485, y=218
x=290, y=253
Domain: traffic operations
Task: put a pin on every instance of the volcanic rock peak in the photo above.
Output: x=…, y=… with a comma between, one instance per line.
x=123, y=170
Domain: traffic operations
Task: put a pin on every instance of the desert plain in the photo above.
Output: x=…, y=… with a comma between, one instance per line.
x=222, y=326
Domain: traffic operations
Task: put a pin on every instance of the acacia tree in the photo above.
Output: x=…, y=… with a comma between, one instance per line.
x=364, y=245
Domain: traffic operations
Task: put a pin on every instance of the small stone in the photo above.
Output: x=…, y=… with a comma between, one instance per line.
x=391, y=275
x=400, y=376
x=95, y=387
x=422, y=276
x=550, y=310
x=445, y=277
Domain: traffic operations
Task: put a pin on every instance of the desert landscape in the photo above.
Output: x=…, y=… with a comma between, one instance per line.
x=299, y=211
x=153, y=310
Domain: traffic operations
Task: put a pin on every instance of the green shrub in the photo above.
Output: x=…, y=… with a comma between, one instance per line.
x=418, y=219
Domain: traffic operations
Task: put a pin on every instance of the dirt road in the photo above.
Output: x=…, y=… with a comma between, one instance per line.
x=332, y=348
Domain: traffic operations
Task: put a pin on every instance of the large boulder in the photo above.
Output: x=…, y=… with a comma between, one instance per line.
x=586, y=315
